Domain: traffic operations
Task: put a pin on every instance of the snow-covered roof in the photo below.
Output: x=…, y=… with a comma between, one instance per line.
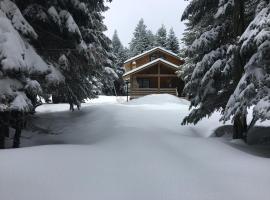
x=150, y=51
x=150, y=64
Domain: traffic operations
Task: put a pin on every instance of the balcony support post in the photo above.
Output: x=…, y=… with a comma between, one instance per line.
x=159, y=78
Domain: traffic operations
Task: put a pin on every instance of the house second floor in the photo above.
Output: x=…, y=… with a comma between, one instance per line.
x=151, y=56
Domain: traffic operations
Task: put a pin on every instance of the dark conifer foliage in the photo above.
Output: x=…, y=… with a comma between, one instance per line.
x=161, y=37
x=172, y=43
x=54, y=47
x=142, y=39
x=225, y=68
x=121, y=55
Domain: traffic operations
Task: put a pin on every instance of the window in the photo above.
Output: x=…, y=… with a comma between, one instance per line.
x=155, y=56
x=143, y=83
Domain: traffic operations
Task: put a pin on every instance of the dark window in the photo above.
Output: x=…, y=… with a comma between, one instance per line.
x=143, y=83
x=155, y=56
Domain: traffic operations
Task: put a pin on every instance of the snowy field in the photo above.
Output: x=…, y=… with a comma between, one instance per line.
x=112, y=150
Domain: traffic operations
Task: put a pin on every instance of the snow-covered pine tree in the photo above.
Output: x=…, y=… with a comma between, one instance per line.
x=121, y=55
x=161, y=37
x=215, y=53
x=254, y=86
x=207, y=87
x=189, y=65
x=206, y=53
x=22, y=71
x=151, y=38
x=71, y=37
x=140, y=41
x=172, y=43
x=75, y=59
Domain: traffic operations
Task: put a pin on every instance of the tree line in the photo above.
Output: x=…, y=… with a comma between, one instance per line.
x=143, y=39
x=227, y=69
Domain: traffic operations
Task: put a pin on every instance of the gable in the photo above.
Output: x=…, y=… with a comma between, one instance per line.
x=151, y=55
x=151, y=64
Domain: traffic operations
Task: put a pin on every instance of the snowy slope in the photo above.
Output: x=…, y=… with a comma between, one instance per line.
x=129, y=151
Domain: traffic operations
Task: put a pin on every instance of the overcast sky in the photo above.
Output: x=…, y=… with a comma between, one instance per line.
x=124, y=15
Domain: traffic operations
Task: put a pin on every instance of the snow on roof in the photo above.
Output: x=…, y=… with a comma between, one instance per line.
x=150, y=51
x=150, y=64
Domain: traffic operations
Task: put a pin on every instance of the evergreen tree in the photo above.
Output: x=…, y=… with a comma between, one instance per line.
x=189, y=65
x=254, y=86
x=161, y=37
x=206, y=50
x=22, y=71
x=207, y=87
x=121, y=54
x=50, y=47
x=172, y=43
x=116, y=43
x=151, y=38
x=216, y=60
x=71, y=32
x=141, y=41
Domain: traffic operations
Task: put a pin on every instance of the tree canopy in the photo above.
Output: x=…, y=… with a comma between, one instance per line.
x=227, y=67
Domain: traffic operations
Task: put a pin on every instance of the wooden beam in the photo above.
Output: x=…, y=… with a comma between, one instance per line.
x=131, y=83
x=158, y=77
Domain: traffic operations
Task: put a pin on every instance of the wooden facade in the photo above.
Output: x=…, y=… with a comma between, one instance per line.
x=153, y=72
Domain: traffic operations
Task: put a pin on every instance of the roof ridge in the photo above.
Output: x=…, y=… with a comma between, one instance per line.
x=149, y=64
x=149, y=51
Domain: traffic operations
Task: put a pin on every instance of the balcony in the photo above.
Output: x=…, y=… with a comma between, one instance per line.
x=138, y=92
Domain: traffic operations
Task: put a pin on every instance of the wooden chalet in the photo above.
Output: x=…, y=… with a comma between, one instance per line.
x=154, y=72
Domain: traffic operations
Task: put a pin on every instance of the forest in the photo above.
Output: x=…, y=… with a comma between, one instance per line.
x=80, y=117
x=56, y=51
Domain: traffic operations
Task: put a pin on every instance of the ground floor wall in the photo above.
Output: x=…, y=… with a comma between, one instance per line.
x=141, y=85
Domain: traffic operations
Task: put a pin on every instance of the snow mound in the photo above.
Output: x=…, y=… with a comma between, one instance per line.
x=159, y=99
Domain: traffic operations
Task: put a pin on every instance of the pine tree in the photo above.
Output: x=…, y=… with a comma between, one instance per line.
x=22, y=71
x=254, y=86
x=116, y=43
x=141, y=40
x=207, y=87
x=121, y=54
x=206, y=52
x=189, y=65
x=151, y=39
x=71, y=32
x=50, y=48
x=216, y=60
x=172, y=43
x=161, y=37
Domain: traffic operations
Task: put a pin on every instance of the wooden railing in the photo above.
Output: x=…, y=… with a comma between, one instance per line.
x=136, y=92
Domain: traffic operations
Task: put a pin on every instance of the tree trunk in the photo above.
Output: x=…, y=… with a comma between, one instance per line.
x=2, y=136
x=252, y=123
x=17, y=136
x=19, y=125
x=239, y=18
x=71, y=107
x=240, y=127
x=4, y=128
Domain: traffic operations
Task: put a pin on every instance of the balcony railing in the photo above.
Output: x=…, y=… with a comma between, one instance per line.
x=136, y=92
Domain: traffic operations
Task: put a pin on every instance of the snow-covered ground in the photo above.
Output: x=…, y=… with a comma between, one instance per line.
x=111, y=150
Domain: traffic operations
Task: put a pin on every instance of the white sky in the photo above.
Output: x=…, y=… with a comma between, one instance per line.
x=124, y=15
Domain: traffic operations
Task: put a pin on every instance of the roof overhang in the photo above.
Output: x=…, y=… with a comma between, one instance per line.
x=150, y=64
x=151, y=51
